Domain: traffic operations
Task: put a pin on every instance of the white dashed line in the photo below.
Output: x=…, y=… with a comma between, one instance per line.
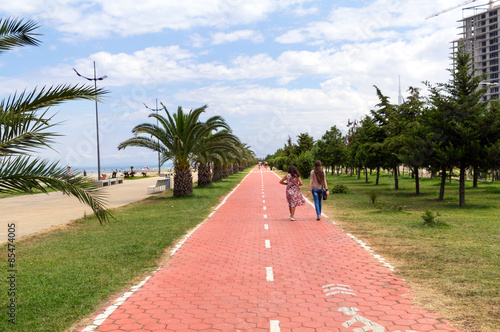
x=268, y=244
x=265, y=216
x=370, y=250
x=265, y=208
x=269, y=274
x=102, y=317
x=275, y=326
x=266, y=226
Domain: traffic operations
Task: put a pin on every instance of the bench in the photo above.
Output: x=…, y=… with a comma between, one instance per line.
x=161, y=185
x=113, y=181
x=108, y=182
x=101, y=183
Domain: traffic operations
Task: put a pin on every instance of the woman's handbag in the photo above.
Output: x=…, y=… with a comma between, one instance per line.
x=325, y=196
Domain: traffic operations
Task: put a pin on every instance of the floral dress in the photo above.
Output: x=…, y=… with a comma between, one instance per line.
x=293, y=195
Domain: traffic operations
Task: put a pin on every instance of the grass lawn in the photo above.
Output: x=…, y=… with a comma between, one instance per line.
x=69, y=273
x=138, y=177
x=454, y=268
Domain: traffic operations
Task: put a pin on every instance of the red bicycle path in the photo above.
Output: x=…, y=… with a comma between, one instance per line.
x=248, y=267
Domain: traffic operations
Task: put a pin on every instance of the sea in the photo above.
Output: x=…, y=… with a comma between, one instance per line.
x=121, y=168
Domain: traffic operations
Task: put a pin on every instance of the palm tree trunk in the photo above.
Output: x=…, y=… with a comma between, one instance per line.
x=204, y=175
x=183, y=181
x=218, y=170
x=378, y=175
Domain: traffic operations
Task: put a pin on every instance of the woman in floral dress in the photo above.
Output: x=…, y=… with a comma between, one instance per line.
x=293, y=196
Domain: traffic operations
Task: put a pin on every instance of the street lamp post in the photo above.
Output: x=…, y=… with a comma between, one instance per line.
x=95, y=79
x=157, y=124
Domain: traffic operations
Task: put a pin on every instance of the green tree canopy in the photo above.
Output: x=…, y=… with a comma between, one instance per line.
x=182, y=138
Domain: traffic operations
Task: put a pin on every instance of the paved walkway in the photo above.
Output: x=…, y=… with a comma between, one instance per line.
x=249, y=268
x=34, y=213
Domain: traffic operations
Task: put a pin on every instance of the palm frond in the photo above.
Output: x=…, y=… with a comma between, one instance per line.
x=15, y=33
x=22, y=133
x=23, y=174
x=49, y=97
x=22, y=130
x=140, y=141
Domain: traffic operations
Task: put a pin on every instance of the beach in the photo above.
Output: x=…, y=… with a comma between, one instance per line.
x=40, y=212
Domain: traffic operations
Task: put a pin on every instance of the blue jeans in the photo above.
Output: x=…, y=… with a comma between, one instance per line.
x=318, y=197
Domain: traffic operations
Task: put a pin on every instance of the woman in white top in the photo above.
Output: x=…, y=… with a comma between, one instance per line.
x=318, y=184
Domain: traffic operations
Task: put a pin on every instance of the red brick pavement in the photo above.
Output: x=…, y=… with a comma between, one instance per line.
x=249, y=268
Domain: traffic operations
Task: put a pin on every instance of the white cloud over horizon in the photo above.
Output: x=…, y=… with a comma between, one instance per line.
x=272, y=69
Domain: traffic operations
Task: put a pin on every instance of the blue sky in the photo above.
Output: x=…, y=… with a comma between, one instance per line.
x=271, y=68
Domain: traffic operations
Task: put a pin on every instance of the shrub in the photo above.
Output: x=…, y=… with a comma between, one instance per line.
x=338, y=189
x=280, y=163
x=305, y=163
x=373, y=196
x=430, y=219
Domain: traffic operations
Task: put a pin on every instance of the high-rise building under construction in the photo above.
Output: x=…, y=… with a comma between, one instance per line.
x=481, y=34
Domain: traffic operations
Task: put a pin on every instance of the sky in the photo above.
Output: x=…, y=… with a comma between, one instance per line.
x=271, y=68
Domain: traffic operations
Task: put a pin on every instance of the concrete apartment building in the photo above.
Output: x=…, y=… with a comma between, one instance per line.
x=481, y=33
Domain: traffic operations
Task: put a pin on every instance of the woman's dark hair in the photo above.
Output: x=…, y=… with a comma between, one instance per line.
x=318, y=172
x=293, y=171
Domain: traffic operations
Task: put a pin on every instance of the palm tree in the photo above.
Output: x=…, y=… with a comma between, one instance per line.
x=219, y=165
x=178, y=137
x=23, y=130
x=247, y=156
x=215, y=144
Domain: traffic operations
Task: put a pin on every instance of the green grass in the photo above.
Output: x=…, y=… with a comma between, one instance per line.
x=454, y=266
x=69, y=273
x=136, y=178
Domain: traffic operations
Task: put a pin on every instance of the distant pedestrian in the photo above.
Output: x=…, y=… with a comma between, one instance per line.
x=319, y=186
x=69, y=173
x=293, y=196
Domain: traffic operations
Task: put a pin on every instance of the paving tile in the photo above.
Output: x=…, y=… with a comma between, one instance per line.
x=445, y=327
x=405, y=322
x=124, y=321
x=322, y=278
x=155, y=327
x=422, y=327
x=109, y=327
x=129, y=327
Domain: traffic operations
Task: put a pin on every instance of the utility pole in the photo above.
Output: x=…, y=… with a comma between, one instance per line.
x=157, y=110
x=95, y=79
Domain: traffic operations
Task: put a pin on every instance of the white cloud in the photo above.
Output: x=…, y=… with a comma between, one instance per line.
x=103, y=18
x=381, y=19
x=222, y=38
x=198, y=40
x=270, y=115
x=302, y=11
x=313, y=81
x=420, y=56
